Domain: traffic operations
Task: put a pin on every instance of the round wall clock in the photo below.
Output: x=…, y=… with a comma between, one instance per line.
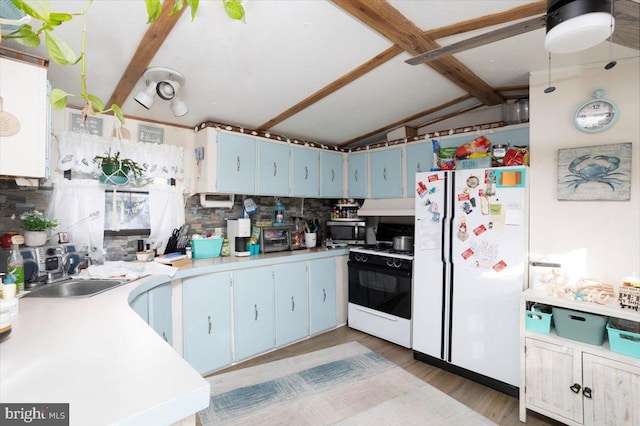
x=597, y=114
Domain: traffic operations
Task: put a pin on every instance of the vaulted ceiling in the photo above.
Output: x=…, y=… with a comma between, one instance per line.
x=327, y=71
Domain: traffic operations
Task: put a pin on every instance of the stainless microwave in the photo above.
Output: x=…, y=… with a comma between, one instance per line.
x=347, y=231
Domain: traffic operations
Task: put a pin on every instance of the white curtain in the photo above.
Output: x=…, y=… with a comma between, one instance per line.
x=77, y=151
x=166, y=211
x=78, y=205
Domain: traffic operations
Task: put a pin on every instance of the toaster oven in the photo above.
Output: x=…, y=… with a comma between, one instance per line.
x=275, y=238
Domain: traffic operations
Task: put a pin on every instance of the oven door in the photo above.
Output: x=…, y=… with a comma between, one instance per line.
x=382, y=289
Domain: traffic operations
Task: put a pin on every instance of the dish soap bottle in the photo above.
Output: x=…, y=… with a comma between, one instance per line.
x=15, y=263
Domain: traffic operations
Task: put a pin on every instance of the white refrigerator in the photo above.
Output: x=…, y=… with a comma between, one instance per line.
x=469, y=270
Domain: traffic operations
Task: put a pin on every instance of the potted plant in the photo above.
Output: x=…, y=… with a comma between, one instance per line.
x=116, y=169
x=35, y=225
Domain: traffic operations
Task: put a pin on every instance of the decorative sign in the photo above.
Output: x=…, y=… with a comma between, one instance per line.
x=92, y=126
x=150, y=134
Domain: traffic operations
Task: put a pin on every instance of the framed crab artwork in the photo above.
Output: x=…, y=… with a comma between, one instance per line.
x=595, y=173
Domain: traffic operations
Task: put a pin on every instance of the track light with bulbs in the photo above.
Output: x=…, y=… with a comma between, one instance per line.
x=166, y=83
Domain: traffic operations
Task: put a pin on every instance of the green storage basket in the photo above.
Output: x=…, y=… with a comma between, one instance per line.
x=623, y=342
x=580, y=326
x=538, y=322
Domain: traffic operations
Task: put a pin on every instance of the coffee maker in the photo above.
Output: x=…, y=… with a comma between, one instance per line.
x=239, y=234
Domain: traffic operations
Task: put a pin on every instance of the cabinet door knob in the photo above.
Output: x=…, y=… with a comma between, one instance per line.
x=293, y=304
x=587, y=392
x=238, y=163
x=333, y=175
x=255, y=307
x=356, y=175
x=275, y=169
x=575, y=388
x=324, y=296
x=306, y=172
x=384, y=173
x=209, y=321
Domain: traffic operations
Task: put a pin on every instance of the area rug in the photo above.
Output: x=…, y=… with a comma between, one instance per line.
x=344, y=385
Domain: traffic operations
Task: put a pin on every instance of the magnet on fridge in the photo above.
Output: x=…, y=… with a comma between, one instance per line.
x=473, y=201
x=422, y=189
x=435, y=217
x=500, y=266
x=466, y=207
x=484, y=205
x=495, y=209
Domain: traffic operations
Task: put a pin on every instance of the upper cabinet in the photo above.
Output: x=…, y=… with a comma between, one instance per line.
x=236, y=163
x=331, y=174
x=357, y=180
x=25, y=108
x=419, y=159
x=386, y=173
x=305, y=165
x=273, y=168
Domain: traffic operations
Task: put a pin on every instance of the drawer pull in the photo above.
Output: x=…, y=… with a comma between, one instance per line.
x=632, y=338
x=575, y=388
x=209, y=321
x=587, y=392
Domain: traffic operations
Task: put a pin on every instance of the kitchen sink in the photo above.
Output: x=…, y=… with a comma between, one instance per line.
x=75, y=288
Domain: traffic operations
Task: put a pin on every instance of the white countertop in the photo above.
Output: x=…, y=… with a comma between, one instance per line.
x=98, y=355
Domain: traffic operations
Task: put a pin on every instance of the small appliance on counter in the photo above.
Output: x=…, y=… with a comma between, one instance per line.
x=275, y=238
x=349, y=231
x=238, y=228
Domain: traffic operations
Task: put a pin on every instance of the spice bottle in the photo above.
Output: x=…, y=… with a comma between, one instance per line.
x=225, y=248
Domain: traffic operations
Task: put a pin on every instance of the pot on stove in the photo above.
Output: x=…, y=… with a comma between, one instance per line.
x=403, y=243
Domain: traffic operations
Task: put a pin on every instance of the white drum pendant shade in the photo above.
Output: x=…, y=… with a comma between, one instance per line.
x=576, y=25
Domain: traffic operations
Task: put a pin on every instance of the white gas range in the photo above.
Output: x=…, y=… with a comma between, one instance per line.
x=380, y=288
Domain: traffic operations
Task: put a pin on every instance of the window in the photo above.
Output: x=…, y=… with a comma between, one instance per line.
x=126, y=213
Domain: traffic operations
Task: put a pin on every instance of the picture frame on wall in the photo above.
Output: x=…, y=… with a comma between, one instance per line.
x=92, y=125
x=150, y=134
x=595, y=173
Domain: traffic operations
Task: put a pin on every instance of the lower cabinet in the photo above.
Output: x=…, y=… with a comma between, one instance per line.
x=160, y=311
x=253, y=311
x=141, y=306
x=581, y=387
x=206, y=321
x=290, y=282
x=322, y=295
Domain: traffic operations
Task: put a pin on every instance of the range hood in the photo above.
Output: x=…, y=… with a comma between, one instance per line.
x=387, y=207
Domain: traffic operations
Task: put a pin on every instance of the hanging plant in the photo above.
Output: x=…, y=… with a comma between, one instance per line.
x=62, y=53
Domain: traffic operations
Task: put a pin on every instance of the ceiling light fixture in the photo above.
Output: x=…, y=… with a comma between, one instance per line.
x=574, y=25
x=166, y=83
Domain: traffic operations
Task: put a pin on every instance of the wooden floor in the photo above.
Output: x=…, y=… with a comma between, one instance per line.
x=498, y=407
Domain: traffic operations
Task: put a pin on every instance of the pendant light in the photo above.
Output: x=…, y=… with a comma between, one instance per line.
x=549, y=88
x=575, y=25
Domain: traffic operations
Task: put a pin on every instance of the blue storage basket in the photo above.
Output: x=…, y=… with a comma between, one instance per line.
x=538, y=322
x=206, y=247
x=581, y=326
x=623, y=342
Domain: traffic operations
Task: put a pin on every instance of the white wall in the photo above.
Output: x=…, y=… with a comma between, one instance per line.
x=594, y=239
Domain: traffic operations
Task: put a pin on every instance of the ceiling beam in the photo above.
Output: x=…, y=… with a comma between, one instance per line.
x=336, y=85
x=383, y=18
x=147, y=49
x=405, y=120
x=520, y=12
x=451, y=114
x=627, y=30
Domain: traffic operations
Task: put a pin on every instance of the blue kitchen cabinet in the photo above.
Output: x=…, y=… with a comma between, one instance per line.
x=322, y=295
x=331, y=174
x=236, y=163
x=386, y=173
x=305, y=166
x=160, y=311
x=357, y=180
x=273, y=168
x=290, y=282
x=253, y=315
x=419, y=159
x=206, y=321
x=141, y=306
